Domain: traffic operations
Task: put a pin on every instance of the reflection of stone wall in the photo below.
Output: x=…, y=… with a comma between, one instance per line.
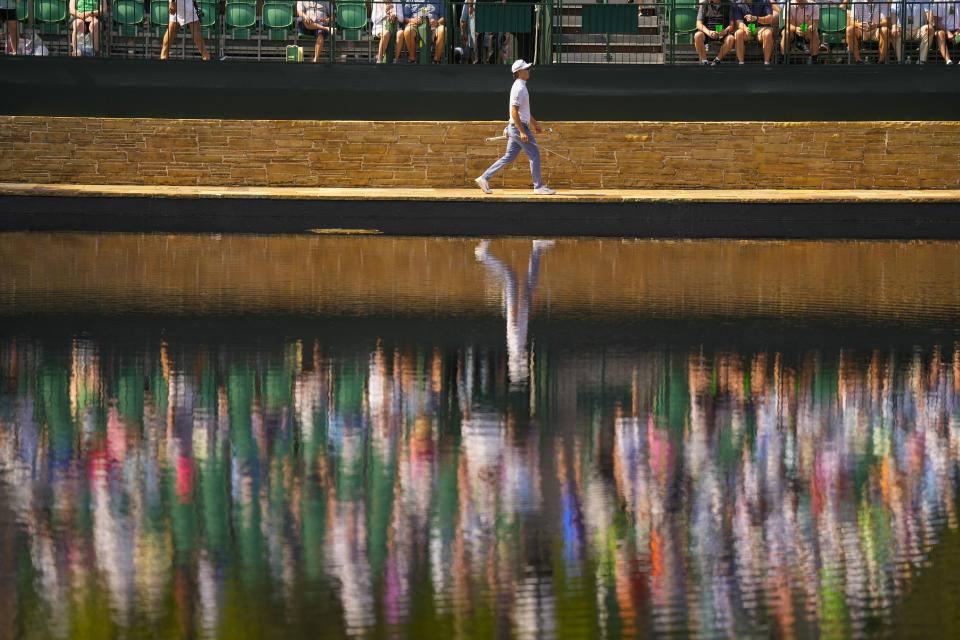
x=828, y=155
x=889, y=281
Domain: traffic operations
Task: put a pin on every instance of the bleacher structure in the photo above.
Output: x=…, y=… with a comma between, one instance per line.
x=612, y=31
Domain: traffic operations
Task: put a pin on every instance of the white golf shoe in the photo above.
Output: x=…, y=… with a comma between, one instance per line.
x=544, y=191
x=483, y=184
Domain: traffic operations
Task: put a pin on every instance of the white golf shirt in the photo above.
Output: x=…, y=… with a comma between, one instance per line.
x=519, y=98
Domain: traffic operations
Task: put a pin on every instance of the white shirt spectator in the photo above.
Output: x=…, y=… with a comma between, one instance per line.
x=804, y=12
x=519, y=97
x=948, y=13
x=868, y=12
x=380, y=12
x=314, y=9
x=916, y=14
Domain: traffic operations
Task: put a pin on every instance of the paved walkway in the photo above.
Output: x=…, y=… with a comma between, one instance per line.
x=470, y=195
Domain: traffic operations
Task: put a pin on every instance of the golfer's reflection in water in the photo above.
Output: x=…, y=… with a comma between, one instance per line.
x=518, y=301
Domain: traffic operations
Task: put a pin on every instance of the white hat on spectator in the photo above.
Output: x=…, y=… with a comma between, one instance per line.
x=520, y=64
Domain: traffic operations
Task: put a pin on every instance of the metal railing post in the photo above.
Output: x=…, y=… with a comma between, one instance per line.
x=670, y=32
x=903, y=30
x=787, y=26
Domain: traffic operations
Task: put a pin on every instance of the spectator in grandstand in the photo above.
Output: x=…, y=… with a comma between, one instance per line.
x=383, y=16
x=758, y=21
x=415, y=13
x=85, y=16
x=313, y=19
x=943, y=19
x=8, y=15
x=183, y=12
x=802, y=23
x=468, y=32
x=714, y=23
x=867, y=22
x=917, y=27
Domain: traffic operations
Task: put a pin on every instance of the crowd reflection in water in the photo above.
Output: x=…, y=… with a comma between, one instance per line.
x=410, y=488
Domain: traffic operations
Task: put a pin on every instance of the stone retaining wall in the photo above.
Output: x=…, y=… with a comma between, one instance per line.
x=648, y=155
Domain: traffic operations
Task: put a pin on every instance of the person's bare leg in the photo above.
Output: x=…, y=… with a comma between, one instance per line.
x=398, y=45
x=168, y=38
x=75, y=30
x=767, y=44
x=814, y=35
x=197, y=32
x=95, y=35
x=944, y=45
x=884, y=43
x=441, y=36
x=741, y=39
x=853, y=41
x=698, y=39
x=786, y=38
x=728, y=43
x=318, y=47
x=382, y=49
x=410, y=37
x=13, y=39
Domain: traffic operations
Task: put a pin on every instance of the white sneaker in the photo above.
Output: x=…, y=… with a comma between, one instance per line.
x=544, y=191
x=541, y=245
x=483, y=184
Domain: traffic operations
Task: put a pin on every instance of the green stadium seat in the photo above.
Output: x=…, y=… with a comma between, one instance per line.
x=128, y=17
x=159, y=16
x=278, y=19
x=23, y=10
x=609, y=18
x=833, y=24
x=351, y=19
x=684, y=23
x=239, y=18
x=49, y=16
x=208, y=22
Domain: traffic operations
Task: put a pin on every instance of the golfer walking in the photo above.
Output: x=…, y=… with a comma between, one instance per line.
x=519, y=135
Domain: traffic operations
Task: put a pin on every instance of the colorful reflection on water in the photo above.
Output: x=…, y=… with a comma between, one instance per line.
x=377, y=482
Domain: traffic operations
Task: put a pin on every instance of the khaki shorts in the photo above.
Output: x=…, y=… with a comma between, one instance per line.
x=869, y=35
x=759, y=33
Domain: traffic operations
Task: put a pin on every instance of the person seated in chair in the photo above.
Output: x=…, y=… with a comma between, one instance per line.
x=416, y=13
x=313, y=19
x=867, y=22
x=714, y=23
x=945, y=23
x=86, y=19
x=384, y=15
x=764, y=17
x=803, y=23
x=914, y=25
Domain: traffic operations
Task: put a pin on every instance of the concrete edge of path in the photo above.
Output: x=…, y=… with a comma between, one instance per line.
x=772, y=196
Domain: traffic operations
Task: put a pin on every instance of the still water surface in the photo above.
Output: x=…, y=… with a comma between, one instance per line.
x=334, y=437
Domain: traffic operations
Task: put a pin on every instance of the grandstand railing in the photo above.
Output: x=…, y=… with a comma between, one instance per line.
x=546, y=32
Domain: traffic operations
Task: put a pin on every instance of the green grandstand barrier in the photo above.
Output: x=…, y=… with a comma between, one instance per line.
x=390, y=33
x=426, y=42
x=609, y=18
x=503, y=18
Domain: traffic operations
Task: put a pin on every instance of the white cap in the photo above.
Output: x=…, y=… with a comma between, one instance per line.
x=520, y=64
